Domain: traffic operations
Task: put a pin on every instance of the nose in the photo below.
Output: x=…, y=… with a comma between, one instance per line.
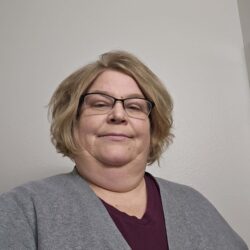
x=117, y=114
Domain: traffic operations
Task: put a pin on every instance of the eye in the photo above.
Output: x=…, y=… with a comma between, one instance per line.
x=100, y=104
x=95, y=101
x=134, y=107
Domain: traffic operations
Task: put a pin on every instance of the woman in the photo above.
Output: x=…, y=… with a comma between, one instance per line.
x=112, y=118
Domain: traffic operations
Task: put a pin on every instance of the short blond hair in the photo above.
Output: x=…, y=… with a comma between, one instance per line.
x=64, y=103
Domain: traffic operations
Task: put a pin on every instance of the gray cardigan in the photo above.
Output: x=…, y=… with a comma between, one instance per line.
x=61, y=212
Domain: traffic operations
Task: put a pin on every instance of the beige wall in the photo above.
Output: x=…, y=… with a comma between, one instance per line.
x=196, y=47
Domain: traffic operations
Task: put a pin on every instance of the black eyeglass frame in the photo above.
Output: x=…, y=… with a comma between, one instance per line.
x=81, y=100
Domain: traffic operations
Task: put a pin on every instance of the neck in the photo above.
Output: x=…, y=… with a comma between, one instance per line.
x=120, y=179
x=120, y=186
x=132, y=202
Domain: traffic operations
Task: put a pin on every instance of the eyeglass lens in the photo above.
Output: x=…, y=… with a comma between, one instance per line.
x=100, y=104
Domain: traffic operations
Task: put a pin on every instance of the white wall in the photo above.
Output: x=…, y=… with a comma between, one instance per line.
x=195, y=46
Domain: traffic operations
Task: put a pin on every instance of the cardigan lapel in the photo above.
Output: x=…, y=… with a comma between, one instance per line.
x=178, y=233
x=95, y=209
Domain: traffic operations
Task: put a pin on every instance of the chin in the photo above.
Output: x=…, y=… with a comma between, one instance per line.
x=117, y=153
x=115, y=160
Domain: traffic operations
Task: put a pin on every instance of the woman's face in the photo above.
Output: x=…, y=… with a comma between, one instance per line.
x=113, y=139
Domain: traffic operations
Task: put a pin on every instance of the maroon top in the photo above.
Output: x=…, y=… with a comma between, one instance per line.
x=146, y=233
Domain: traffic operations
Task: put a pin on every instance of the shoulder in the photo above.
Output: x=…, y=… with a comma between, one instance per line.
x=186, y=198
x=21, y=201
x=39, y=187
x=19, y=210
x=188, y=210
x=179, y=192
x=52, y=188
x=53, y=212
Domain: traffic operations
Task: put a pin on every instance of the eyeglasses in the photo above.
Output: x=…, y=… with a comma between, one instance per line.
x=98, y=103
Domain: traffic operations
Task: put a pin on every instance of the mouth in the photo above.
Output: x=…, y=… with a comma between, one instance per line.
x=115, y=136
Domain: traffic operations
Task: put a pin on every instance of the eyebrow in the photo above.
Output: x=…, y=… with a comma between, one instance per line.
x=133, y=95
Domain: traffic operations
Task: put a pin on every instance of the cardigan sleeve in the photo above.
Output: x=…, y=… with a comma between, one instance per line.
x=17, y=221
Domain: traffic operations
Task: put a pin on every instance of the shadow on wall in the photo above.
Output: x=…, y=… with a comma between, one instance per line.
x=244, y=7
x=247, y=56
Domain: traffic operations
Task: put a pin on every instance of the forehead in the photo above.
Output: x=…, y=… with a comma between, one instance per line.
x=116, y=84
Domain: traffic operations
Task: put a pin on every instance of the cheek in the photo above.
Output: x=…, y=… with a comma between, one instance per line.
x=85, y=131
x=143, y=130
x=148, y=136
x=148, y=139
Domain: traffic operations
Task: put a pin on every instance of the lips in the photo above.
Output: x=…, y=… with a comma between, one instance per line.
x=115, y=136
